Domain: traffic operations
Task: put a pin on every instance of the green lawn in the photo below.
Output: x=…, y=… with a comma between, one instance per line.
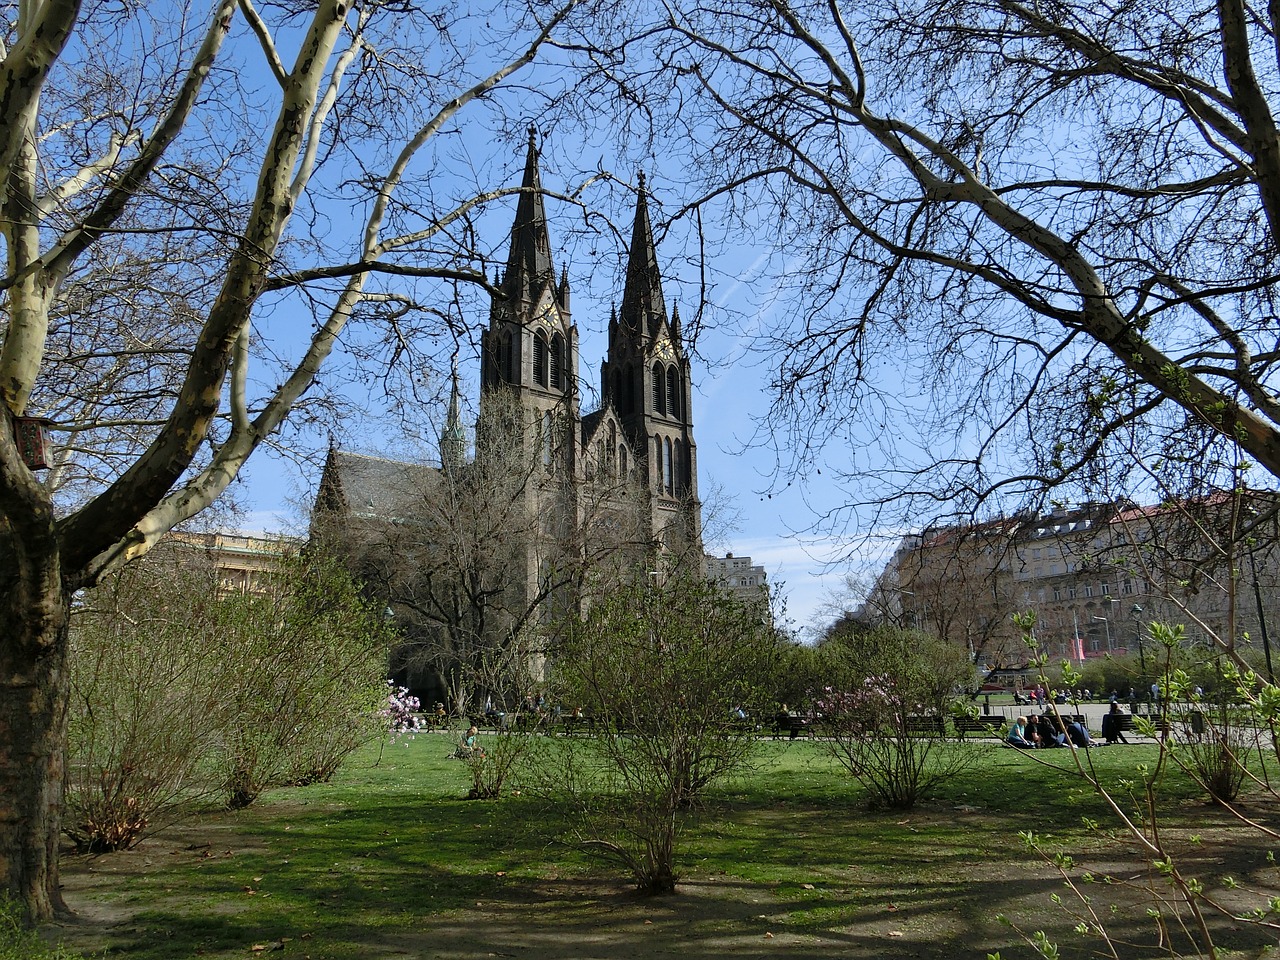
x=388, y=860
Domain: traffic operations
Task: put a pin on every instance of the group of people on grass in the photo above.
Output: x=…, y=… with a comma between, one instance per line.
x=1052, y=730
x=1047, y=730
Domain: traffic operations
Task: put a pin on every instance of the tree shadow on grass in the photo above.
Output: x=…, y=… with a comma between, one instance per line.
x=408, y=876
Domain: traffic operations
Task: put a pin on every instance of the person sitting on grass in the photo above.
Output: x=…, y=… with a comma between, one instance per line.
x=469, y=747
x=1078, y=734
x=1051, y=732
x=1017, y=736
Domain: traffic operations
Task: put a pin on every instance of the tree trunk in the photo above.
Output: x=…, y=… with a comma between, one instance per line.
x=33, y=720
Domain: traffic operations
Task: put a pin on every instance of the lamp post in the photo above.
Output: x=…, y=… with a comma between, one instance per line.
x=1136, y=611
x=1107, y=625
x=1262, y=615
x=912, y=621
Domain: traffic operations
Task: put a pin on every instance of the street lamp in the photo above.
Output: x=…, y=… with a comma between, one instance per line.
x=1262, y=614
x=915, y=614
x=1136, y=611
x=1107, y=624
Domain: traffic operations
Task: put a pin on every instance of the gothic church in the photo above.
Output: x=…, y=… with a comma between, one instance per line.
x=643, y=430
x=638, y=448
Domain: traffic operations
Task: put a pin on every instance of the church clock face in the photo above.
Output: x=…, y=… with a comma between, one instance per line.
x=548, y=316
x=663, y=349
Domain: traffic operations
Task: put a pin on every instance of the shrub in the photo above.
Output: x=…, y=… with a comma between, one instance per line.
x=180, y=693
x=304, y=673
x=883, y=683
x=143, y=717
x=659, y=668
x=492, y=769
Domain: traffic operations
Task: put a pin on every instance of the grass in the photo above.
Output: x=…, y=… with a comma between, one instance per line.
x=17, y=943
x=370, y=863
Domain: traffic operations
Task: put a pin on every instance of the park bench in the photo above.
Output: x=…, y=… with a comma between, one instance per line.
x=580, y=724
x=791, y=726
x=926, y=725
x=528, y=721
x=739, y=725
x=1160, y=721
x=988, y=723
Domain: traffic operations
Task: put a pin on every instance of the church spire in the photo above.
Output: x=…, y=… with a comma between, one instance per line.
x=529, y=267
x=644, y=310
x=453, y=441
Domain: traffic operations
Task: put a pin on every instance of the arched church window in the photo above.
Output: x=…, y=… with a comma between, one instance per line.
x=557, y=362
x=601, y=464
x=540, y=359
x=658, y=381
x=546, y=440
x=506, y=367
x=657, y=462
x=668, y=474
x=673, y=393
x=622, y=460
x=677, y=467
x=613, y=445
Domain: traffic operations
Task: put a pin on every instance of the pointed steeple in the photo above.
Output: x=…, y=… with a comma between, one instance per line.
x=453, y=441
x=529, y=267
x=644, y=310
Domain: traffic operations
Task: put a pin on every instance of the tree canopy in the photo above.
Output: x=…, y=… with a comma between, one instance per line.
x=1020, y=241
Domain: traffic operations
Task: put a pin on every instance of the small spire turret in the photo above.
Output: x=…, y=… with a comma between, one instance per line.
x=453, y=441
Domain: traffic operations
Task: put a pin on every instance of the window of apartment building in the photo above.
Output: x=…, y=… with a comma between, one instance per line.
x=1088, y=589
x=1057, y=593
x=1126, y=587
x=1106, y=589
x=1071, y=591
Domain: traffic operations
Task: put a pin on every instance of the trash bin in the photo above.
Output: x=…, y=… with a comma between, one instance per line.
x=1197, y=722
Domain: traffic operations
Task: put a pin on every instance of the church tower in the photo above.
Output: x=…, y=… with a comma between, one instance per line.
x=647, y=380
x=531, y=345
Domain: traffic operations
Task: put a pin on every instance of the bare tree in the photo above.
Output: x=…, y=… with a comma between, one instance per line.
x=295, y=151
x=1013, y=231
x=481, y=561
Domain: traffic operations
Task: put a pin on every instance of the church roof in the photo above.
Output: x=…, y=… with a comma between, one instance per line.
x=590, y=423
x=373, y=487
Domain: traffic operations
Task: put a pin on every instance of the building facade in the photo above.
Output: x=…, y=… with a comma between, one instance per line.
x=739, y=576
x=1094, y=575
